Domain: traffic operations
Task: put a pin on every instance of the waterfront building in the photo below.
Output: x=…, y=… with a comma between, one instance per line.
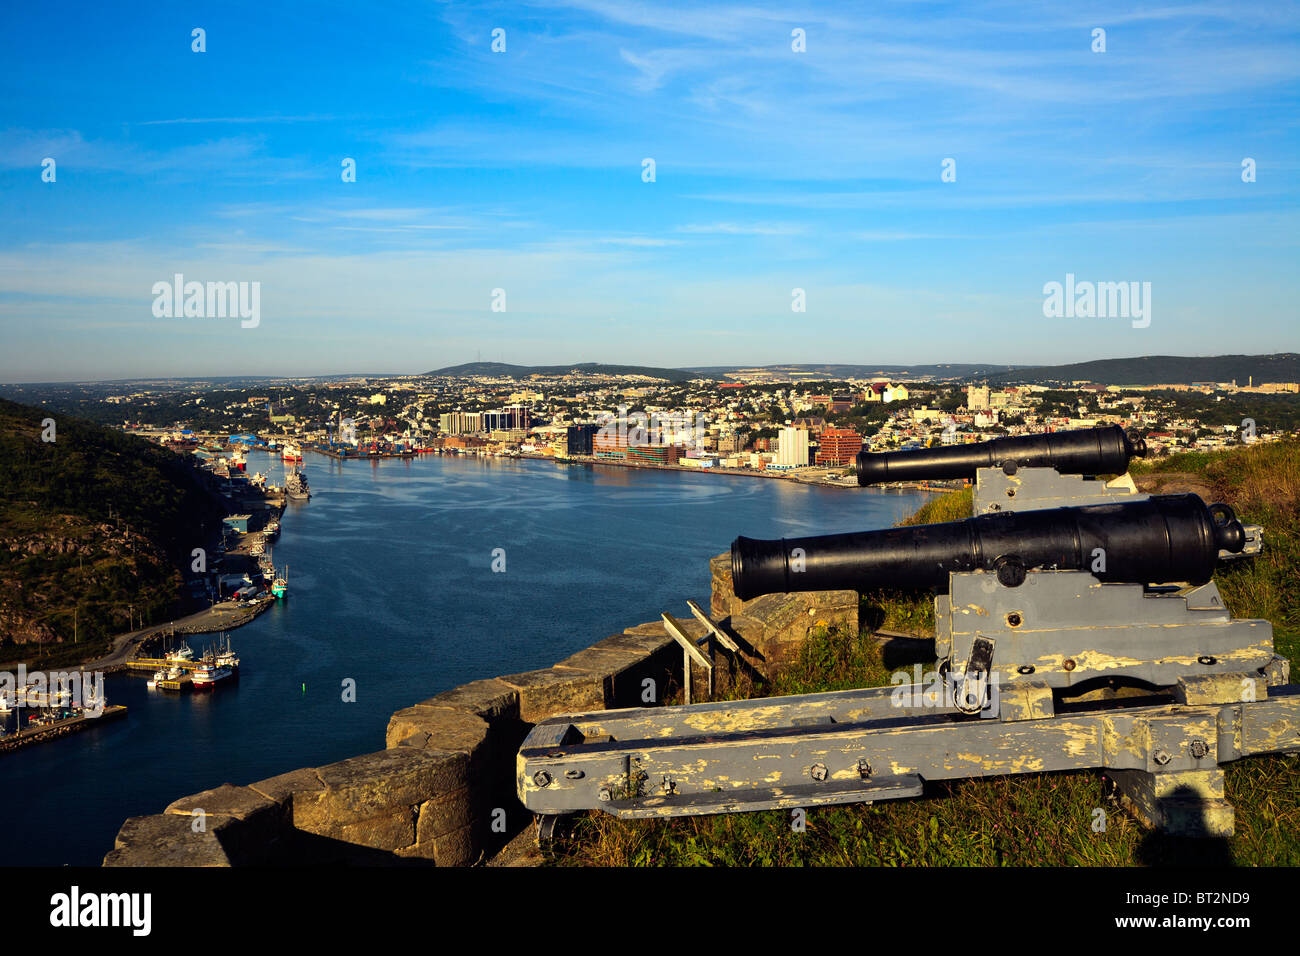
x=609, y=443
x=580, y=438
x=792, y=447
x=461, y=423
x=838, y=446
x=505, y=419
x=654, y=454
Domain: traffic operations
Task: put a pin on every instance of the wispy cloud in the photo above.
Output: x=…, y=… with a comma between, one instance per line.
x=743, y=229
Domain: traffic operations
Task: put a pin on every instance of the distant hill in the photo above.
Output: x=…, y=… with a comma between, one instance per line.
x=834, y=372
x=504, y=370
x=1162, y=370
x=95, y=522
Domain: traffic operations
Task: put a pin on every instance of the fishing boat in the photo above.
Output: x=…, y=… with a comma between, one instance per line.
x=208, y=674
x=225, y=656
x=280, y=586
x=291, y=452
x=180, y=654
x=158, y=675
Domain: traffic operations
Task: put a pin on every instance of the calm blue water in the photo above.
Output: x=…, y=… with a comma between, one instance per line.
x=390, y=584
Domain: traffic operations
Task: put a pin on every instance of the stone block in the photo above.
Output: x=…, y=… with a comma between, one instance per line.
x=722, y=594
x=446, y=814
x=165, y=839
x=249, y=826
x=457, y=848
x=375, y=784
x=644, y=644
x=551, y=691
x=777, y=625
x=227, y=800
x=441, y=728
x=489, y=699
x=385, y=831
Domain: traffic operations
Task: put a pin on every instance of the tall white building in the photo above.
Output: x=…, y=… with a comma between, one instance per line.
x=792, y=447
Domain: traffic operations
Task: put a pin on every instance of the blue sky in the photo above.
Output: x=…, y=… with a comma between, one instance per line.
x=522, y=171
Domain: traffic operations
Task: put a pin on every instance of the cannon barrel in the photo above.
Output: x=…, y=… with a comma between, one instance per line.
x=1088, y=451
x=1163, y=539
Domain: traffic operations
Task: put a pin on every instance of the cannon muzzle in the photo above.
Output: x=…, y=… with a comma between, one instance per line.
x=1162, y=539
x=1088, y=451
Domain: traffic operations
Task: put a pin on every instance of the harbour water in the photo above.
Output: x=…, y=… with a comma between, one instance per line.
x=391, y=584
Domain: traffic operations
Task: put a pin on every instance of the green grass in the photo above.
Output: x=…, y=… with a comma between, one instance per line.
x=1026, y=820
x=910, y=612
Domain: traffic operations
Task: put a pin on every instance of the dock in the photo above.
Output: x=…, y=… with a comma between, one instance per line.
x=177, y=685
x=61, y=728
x=340, y=454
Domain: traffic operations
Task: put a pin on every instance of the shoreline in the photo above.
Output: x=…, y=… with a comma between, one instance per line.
x=933, y=488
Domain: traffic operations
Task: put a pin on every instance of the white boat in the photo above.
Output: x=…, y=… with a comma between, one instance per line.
x=158, y=675
x=291, y=452
x=182, y=653
x=174, y=672
x=225, y=656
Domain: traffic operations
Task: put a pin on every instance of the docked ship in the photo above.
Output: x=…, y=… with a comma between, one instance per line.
x=218, y=664
x=291, y=452
x=226, y=657
x=280, y=586
x=295, y=484
x=180, y=655
x=208, y=674
x=237, y=460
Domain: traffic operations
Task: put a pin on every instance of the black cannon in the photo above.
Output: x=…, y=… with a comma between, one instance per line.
x=1162, y=539
x=1088, y=451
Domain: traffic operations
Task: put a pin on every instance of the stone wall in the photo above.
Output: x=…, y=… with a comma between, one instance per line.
x=442, y=792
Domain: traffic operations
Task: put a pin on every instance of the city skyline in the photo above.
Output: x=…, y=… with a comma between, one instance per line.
x=776, y=169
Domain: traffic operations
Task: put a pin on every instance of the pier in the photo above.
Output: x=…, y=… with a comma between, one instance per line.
x=60, y=728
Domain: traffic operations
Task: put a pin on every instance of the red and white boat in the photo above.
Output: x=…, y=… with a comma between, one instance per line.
x=207, y=676
x=291, y=452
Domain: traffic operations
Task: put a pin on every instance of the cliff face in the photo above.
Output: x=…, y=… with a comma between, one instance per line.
x=94, y=525
x=101, y=570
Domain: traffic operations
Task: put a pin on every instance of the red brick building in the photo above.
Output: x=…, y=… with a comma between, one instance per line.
x=838, y=446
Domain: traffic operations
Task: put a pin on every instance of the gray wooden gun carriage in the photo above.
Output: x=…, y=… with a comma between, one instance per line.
x=1077, y=627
